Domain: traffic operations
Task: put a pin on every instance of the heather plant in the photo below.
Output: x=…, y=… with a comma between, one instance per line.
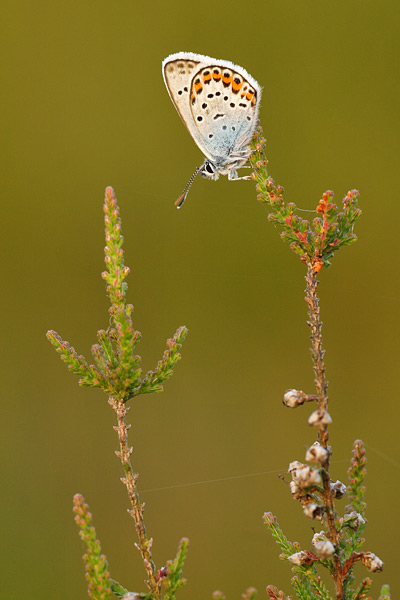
x=117, y=372
x=333, y=550
x=336, y=547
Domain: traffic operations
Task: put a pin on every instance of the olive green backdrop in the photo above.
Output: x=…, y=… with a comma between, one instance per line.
x=84, y=106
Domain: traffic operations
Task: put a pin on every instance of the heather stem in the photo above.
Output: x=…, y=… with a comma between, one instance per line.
x=321, y=385
x=316, y=339
x=129, y=480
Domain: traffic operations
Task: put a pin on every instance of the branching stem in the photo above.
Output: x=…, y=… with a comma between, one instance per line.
x=129, y=480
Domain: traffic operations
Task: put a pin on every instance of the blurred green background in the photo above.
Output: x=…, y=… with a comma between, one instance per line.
x=84, y=106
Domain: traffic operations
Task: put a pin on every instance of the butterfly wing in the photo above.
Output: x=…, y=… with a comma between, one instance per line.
x=217, y=101
x=178, y=70
x=224, y=106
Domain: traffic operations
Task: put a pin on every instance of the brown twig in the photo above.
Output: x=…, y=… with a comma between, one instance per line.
x=321, y=385
x=129, y=480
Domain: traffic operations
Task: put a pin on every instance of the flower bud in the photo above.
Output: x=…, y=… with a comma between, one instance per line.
x=320, y=419
x=317, y=454
x=293, y=398
x=372, y=562
x=338, y=489
x=323, y=547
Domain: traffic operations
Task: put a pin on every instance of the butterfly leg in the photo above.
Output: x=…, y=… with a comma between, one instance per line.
x=233, y=175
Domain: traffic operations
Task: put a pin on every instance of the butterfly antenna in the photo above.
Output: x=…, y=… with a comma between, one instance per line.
x=182, y=197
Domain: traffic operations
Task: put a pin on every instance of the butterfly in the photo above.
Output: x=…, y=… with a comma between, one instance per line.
x=218, y=102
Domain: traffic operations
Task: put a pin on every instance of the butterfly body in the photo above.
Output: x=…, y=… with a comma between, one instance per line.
x=218, y=102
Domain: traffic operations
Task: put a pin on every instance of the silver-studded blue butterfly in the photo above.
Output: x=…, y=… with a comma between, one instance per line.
x=218, y=102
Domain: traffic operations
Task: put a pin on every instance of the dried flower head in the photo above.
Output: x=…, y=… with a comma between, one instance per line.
x=354, y=520
x=293, y=398
x=323, y=547
x=296, y=491
x=301, y=558
x=338, y=489
x=304, y=475
x=313, y=511
x=372, y=562
x=294, y=467
x=317, y=454
x=320, y=419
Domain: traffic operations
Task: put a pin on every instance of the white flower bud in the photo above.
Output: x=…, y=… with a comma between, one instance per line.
x=293, y=398
x=317, y=454
x=320, y=419
x=299, y=559
x=338, y=489
x=323, y=547
x=313, y=511
x=372, y=562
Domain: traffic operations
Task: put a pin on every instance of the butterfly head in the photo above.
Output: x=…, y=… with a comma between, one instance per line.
x=209, y=170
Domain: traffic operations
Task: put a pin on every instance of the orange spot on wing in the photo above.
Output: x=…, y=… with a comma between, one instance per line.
x=198, y=87
x=227, y=79
x=249, y=95
x=207, y=78
x=236, y=86
x=253, y=101
x=217, y=76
